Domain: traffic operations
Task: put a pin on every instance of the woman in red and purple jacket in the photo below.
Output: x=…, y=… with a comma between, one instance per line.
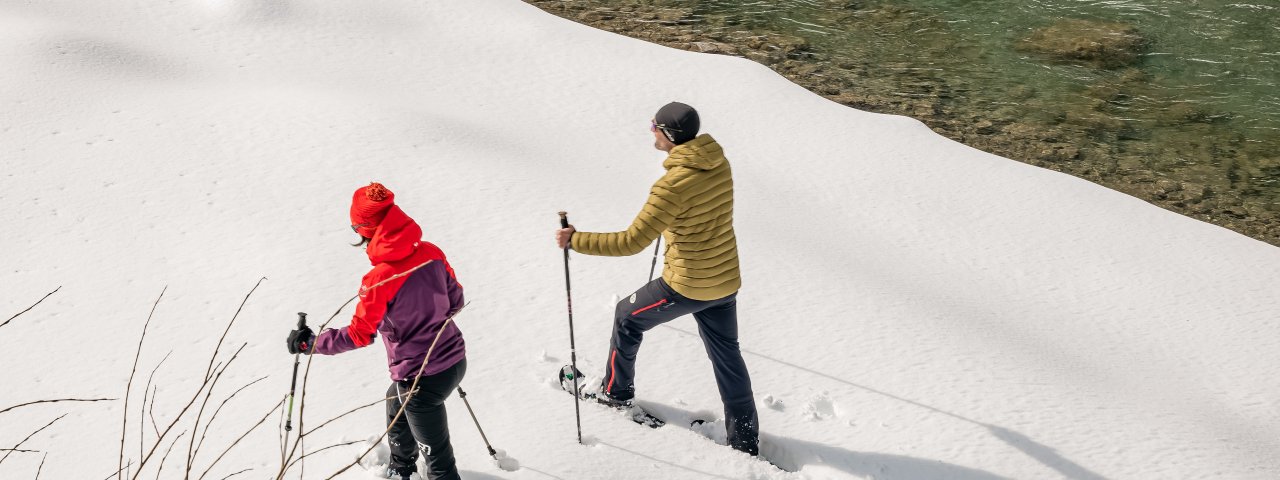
x=409, y=297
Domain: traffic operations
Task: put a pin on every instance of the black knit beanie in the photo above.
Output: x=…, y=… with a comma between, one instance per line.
x=678, y=121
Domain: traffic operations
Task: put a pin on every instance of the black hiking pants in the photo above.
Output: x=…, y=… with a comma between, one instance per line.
x=424, y=426
x=655, y=304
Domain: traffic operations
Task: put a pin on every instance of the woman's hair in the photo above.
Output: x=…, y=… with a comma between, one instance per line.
x=363, y=242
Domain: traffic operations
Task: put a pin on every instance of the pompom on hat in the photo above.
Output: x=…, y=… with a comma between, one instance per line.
x=369, y=206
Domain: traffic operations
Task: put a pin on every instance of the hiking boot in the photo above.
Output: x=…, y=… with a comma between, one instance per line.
x=604, y=398
x=401, y=473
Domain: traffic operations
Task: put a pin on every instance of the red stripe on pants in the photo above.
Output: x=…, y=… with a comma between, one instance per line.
x=659, y=302
x=613, y=371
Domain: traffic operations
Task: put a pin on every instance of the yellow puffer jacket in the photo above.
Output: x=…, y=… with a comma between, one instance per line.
x=692, y=207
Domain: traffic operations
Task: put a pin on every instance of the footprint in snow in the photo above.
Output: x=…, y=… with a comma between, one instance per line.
x=819, y=408
x=773, y=403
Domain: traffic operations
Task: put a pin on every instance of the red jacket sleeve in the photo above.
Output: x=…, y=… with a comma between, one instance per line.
x=372, y=306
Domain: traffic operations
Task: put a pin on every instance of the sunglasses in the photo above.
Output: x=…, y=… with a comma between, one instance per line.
x=666, y=131
x=356, y=227
x=654, y=126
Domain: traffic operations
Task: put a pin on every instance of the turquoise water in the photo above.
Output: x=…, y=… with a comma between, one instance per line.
x=1200, y=102
x=1173, y=101
x=1196, y=103
x=1220, y=53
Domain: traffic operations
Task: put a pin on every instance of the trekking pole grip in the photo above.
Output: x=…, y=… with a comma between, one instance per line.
x=293, y=384
x=564, y=219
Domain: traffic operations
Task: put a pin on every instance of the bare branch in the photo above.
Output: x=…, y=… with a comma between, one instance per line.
x=142, y=422
x=224, y=403
x=124, y=422
x=169, y=428
x=283, y=434
x=166, y=454
x=127, y=465
x=16, y=315
x=151, y=412
x=41, y=429
x=255, y=426
x=145, y=408
x=237, y=473
x=41, y=467
x=191, y=451
x=204, y=384
x=17, y=450
x=20, y=405
x=323, y=449
x=349, y=412
x=209, y=369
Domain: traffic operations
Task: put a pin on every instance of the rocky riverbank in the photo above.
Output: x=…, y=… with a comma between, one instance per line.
x=1195, y=164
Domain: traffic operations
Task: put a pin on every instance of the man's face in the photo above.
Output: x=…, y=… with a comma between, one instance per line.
x=660, y=141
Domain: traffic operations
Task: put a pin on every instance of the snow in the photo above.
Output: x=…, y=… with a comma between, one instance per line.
x=912, y=308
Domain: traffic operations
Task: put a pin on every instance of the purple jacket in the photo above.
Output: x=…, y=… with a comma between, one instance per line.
x=409, y=310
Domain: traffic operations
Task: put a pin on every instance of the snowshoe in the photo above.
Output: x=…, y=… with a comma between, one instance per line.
x=573, y=381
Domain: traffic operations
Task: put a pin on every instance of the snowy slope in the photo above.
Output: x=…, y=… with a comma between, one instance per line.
x=912, y=308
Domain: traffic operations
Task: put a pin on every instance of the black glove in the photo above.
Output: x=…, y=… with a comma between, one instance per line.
x=301, y=341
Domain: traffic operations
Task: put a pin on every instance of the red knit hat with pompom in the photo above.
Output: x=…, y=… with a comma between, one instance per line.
x=369, y=205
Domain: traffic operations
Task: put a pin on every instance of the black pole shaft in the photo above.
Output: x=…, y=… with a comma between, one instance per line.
x=293, y=384
x=652, y=265
x=492, y=453
x=573, y=349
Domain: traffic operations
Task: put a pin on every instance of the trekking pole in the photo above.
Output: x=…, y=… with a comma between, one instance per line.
x=656, y=243
x=492, y=453
x=293, y=385
x=573, y=350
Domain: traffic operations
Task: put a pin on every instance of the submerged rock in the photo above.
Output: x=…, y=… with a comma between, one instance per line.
x=1086, y=136
x=1097, y=43
x=843, y=4
x=713, y=47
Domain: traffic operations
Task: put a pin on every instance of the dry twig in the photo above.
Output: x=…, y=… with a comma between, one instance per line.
x=20, y=405
x=283, y=434
x=151, y=412
x=349, y=412
x=255, y=426
x=191, y=450
x=16, y=315
x=41, y=467
x=205, y=383
x=237, y=473
x=308, y=454
x=124, y=422
x=127, y=465
x=41, y=429
x=144, y=409
x=166, y=453
x=208, y=370
x=223, y=404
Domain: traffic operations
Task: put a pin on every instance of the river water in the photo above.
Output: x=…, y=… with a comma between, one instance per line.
x=1173, y=101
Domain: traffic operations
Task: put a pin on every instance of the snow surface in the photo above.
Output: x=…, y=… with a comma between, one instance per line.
x=912, y=309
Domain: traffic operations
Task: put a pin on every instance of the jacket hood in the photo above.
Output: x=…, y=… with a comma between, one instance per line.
x=395, y=238
x=702, y=153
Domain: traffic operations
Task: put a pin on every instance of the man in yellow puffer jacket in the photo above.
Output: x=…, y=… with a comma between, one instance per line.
x=691, y=206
